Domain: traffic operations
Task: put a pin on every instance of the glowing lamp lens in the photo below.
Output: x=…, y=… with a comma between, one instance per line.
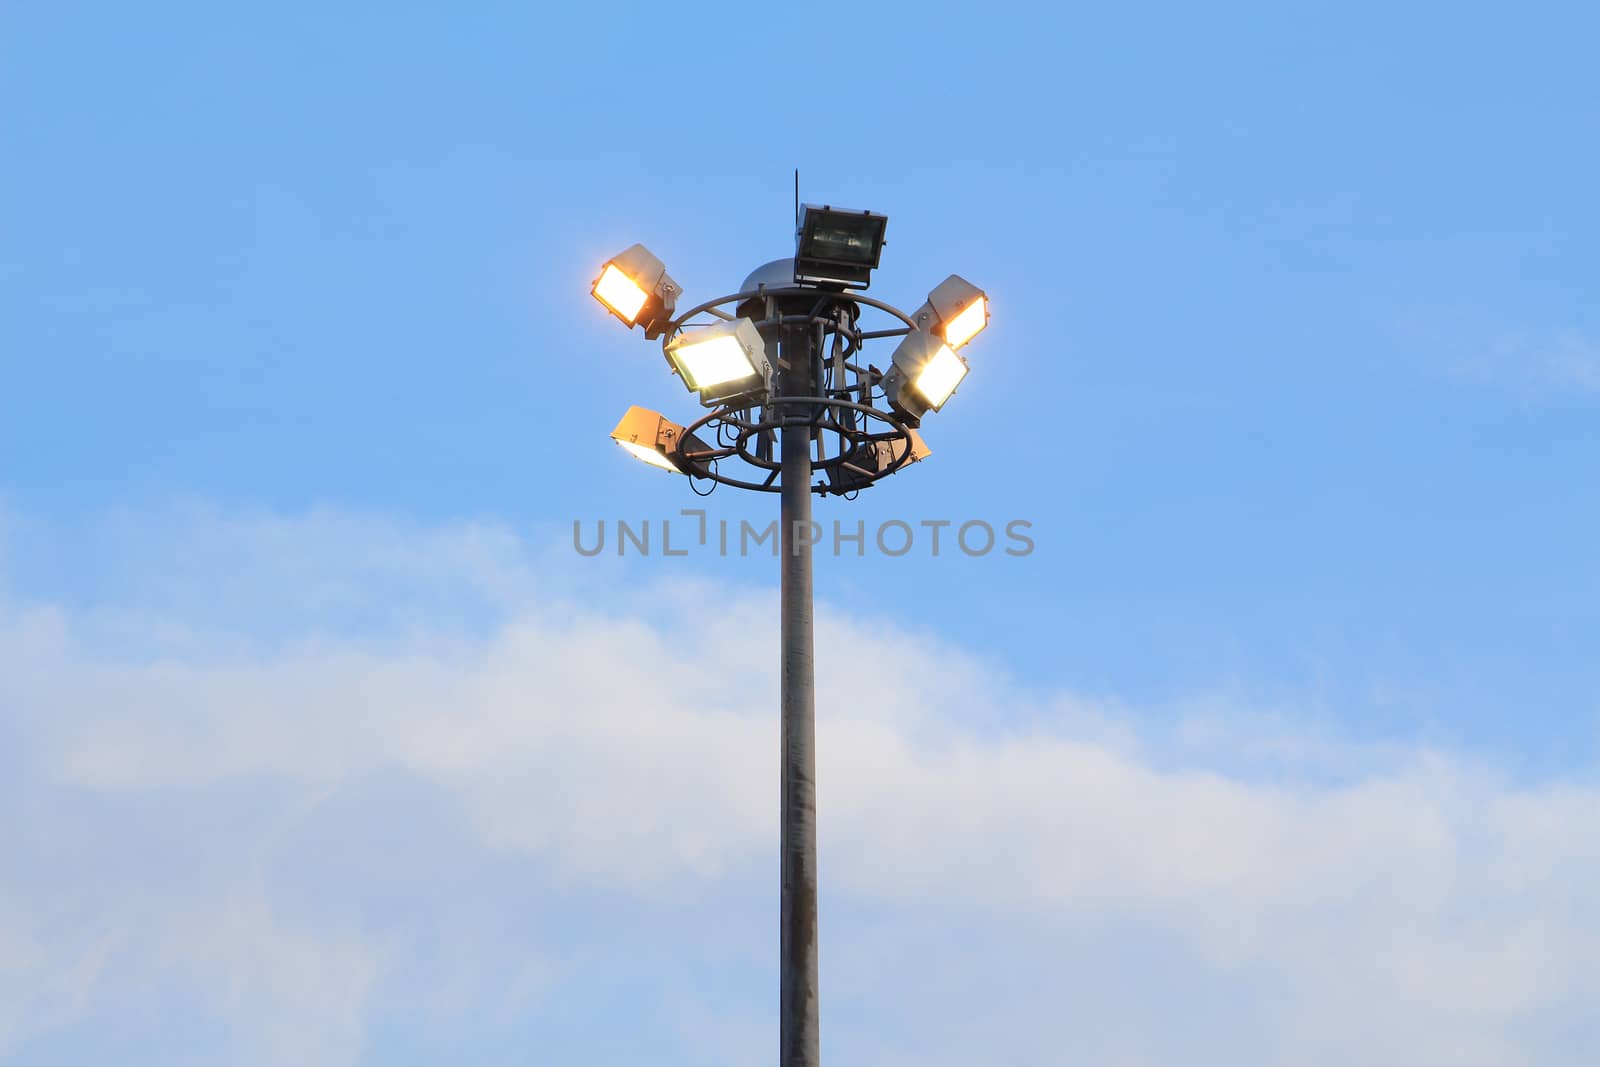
x=649, y=455
x=618, y=292
x=708, y=364
x=940, y=376
x=966, y=325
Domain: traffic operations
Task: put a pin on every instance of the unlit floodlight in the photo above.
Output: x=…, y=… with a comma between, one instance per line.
x=835, y=246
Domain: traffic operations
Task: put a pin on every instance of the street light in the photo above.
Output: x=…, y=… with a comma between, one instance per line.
x=835, y=246
x=635, y=287
x=877, y=459
x=660, y=442
x=782, y=366
x=721, y=362
x=956, y=310
x=925, y=372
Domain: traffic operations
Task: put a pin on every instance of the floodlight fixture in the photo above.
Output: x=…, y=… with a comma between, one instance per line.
x=926, y=371
x=836, y=246
x=722, y=362
x=874, y=458
x=956, y=310
x=635, y=287
x=660, y=442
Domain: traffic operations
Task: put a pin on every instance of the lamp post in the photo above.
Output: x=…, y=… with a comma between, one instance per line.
x=788, y=363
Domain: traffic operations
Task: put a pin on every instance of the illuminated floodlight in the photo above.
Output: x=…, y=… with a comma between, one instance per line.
x=618, y=292
x=956, y=310
x=635, y=287
x=835, y=246
x=721, y=362
x=873, y=459
x=926, y=371
x=940, y=376
x=660, y=442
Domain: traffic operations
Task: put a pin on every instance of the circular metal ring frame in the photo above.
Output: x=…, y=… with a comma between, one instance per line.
x=711, y=306
x=821, y=413
x=845, y=473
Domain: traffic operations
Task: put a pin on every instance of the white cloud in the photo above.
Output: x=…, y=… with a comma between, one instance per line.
x=1561, y=359
x=1575, y=360
x=291, y=996
x=352, y=820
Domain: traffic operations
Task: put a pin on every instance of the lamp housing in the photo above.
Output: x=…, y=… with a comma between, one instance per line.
x=862, y=469
x=837, y=246
x=635, y=287
x=956, y=311
x=722, y=362
x=660, y=442
x=923, y=376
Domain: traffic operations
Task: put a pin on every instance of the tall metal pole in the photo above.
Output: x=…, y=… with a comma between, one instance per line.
x=797, y=1028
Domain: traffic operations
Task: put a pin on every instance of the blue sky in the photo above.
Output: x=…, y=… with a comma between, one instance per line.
x=1294, y=368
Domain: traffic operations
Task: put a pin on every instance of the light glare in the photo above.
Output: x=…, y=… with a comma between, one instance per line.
x=940, y=376
x=965, y=326
x=618, y=292
x=708, y=364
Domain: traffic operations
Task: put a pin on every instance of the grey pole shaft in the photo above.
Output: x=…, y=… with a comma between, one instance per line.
x=798, y=1039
